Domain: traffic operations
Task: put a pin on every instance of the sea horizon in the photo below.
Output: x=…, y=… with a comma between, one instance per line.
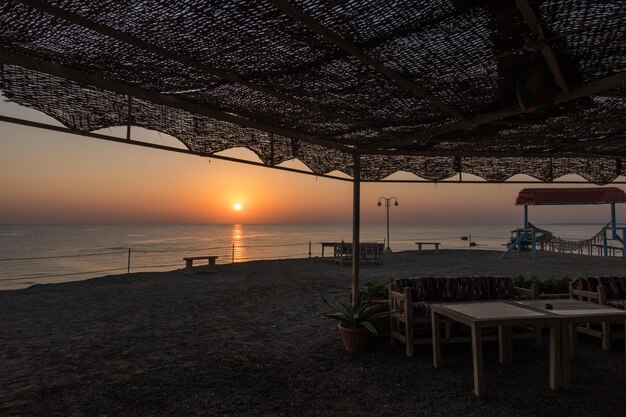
x=49, y=253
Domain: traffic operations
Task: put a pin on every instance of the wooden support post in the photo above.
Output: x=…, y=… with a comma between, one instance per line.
x=356, y=222
x=128, y=268
x=613, y=223
x=535, y=27
x=392, y=308
x=525, y=216
x=309, y=248
x=408, y=322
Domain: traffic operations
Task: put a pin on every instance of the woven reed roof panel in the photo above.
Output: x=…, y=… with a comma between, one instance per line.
x=251, y=59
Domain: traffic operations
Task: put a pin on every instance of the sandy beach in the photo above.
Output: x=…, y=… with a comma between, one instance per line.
x=250, y=340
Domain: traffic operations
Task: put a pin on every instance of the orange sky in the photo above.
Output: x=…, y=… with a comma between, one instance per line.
x=49, y=177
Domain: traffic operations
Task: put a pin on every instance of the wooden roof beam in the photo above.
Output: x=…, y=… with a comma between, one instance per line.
x=184, y=60
x=578, y=153
x=57, y=70
x=541, y=43
x=550, y=123
x=583, y=90
x=355, y=51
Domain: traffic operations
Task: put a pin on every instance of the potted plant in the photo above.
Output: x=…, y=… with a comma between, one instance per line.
x=378, y=294
x=355, y=320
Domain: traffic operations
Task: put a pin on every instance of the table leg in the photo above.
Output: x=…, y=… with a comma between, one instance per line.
x=477, y=361
x=189, y=265
x=505, y=343
x=606, y=335
x=212, y=265
x=562, y=337
x=572, y=339
x=436, y=340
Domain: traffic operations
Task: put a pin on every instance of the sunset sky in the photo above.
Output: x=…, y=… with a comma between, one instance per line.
x=49, y=177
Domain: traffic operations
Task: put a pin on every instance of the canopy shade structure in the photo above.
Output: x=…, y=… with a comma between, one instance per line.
x=427, y=87
x=570, y=196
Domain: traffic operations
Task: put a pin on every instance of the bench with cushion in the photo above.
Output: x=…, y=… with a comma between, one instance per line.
x=410, y=301
x=602, y=290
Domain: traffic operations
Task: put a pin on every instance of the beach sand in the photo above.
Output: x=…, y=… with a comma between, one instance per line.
x=250, y=340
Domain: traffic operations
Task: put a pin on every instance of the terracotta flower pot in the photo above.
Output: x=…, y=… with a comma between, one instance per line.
x=355, y=340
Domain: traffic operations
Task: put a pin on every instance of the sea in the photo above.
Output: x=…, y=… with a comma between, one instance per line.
x=41, y=254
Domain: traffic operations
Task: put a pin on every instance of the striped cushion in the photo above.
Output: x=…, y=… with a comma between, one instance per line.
x=428, y=290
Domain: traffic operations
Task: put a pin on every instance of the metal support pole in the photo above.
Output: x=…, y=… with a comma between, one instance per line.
x=130, y=117
x=604, y=244
x=534, y=242
x=309, y=248
x=519, y=243
x=525, y=216
x=613, y=222
x=356, y=222
x=128, y=268
x=469, y=238
x=387, y=205
x=233, y=253
x=388, y=248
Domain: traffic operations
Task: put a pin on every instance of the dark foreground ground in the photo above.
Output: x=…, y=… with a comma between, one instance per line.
x=250, y=341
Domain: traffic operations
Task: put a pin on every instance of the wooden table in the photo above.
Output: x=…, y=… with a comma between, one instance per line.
x=328, y=245
x=503, y=315
x=571, y=313
x=435, y=244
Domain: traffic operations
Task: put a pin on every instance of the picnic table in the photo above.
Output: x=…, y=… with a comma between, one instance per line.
x=368, y=252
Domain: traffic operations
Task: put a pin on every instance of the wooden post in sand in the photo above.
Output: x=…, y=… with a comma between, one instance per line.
x=128, y=268
x=356, y=220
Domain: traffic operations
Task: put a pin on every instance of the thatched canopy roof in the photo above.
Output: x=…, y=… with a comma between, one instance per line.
x=427, y=87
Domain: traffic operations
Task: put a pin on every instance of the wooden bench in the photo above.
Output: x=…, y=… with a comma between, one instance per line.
x=435, y=244
x=189, y=263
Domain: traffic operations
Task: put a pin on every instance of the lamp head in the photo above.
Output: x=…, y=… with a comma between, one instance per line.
x=379, y=204
x=396, y=204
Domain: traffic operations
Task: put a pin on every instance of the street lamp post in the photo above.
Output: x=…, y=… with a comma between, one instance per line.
x=387, y=204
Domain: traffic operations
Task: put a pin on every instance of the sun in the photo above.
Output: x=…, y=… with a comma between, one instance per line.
x=237, y=206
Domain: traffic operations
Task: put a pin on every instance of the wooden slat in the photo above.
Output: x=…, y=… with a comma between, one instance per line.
x=185, y=60
x=516, y=122
x=548, y=54
x=355, y=51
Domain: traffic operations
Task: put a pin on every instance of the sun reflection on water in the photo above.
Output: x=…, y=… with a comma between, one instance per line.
x=240, y=253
